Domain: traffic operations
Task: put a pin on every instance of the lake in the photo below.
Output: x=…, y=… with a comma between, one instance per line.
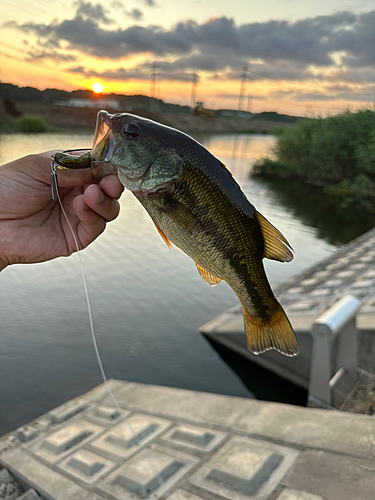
x=147, y=300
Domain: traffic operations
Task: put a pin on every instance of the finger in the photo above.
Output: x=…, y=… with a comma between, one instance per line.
x=92, y=224
x=38, y=166
x=111, y=185
x=101, y=203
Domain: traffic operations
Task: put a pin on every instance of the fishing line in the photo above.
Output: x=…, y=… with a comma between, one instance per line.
x=56, y=196
x=104, y=377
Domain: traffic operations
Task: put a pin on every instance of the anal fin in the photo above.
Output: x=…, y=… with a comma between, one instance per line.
x=209, y=278
x=165, y=239
x=276, y=246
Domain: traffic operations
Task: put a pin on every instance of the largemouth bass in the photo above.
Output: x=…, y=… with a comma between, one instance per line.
x=196, y=204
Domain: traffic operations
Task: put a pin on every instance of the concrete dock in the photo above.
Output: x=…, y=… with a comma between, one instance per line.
x=305, y=296
x=175, y=444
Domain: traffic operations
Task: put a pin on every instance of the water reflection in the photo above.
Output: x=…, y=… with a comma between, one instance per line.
x=309, y=204
x=148, y=302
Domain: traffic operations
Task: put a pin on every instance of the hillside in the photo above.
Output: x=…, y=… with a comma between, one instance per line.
x=62, y=110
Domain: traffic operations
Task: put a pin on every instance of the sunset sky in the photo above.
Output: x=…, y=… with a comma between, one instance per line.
x=302, y=56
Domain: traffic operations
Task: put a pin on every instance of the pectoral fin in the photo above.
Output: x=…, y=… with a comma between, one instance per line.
x=165, y=239
x=276, y=246
x=209, y=278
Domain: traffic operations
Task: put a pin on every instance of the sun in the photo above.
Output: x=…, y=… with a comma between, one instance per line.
x=97, y=88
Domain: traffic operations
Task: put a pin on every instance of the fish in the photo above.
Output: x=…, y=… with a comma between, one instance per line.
x=196, y=204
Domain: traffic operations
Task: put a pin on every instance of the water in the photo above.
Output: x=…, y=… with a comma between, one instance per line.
x=147, y=301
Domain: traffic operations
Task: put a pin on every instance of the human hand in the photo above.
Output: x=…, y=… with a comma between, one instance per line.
x=32, y=225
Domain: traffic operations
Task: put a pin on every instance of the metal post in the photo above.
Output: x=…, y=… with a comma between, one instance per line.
x=338, y=321
x=320, y=371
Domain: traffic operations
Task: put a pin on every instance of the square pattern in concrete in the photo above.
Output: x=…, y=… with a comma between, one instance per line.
x=127, y=437
x=244, y=468
x=194, y=438
x=55, y=446
x=86, y=465
x=175, y=444
x=151, y=472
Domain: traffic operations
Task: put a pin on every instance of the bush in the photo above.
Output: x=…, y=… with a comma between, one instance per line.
x=30, y=124
x=337, y=152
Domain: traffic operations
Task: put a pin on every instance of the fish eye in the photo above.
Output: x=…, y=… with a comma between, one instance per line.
x=131, y=131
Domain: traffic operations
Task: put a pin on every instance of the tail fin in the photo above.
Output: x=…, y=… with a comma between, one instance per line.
x=273, y=333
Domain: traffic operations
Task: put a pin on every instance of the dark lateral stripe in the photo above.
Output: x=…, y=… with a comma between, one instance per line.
x=225, y=244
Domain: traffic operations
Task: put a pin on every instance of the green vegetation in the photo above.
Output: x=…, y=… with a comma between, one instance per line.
x=30, y=123
x=337, y=152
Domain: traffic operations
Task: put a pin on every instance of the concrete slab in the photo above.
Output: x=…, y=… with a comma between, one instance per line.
x=333, y=476
x=152, y=471
x=323, y=453
x=57, y=444
x=244, y=467
x=291, y=494
x=51, y=484
x=195, y=438
x=66, y=412
x=183, y=495
x=106, y=415
x=129, y=436
x=30, y=495
x=186, y=405
x=87, y=466
x=315, y=428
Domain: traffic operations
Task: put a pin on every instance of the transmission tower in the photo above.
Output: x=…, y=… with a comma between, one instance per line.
x=243, y=85
x=193, y=90
x=152, y=87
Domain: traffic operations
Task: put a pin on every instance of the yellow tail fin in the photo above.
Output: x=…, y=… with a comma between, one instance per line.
x=273, y=333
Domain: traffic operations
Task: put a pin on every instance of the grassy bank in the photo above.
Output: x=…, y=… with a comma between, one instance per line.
x=337, y=153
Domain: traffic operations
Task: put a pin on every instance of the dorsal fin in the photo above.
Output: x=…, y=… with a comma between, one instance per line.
x=209, y=278
x=165, y=239
x=276, y=246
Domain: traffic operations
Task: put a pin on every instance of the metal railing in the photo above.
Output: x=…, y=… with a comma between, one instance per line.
x=333, y=375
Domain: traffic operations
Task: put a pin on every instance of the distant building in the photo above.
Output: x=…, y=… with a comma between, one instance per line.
x=91, y=103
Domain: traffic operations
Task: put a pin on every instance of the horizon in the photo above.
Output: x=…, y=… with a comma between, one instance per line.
x=97, y=96
x=289, y=57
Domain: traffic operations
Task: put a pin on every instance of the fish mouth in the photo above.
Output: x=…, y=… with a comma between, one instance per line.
x=104, y=142
x=103, y=148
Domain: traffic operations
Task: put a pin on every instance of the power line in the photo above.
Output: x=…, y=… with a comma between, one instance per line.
x=25, y=9
x=32, y=64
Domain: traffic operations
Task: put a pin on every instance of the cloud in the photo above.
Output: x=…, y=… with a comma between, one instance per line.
x=96, y=13
x=277, y=50
x=310, y=41
x=136, y=14
x=121, y=74
x=319, y=96
x=51, y=55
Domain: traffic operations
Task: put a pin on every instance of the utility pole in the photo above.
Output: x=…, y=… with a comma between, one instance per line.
x=242, y=88
x=152, y=87
x=193, y=90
